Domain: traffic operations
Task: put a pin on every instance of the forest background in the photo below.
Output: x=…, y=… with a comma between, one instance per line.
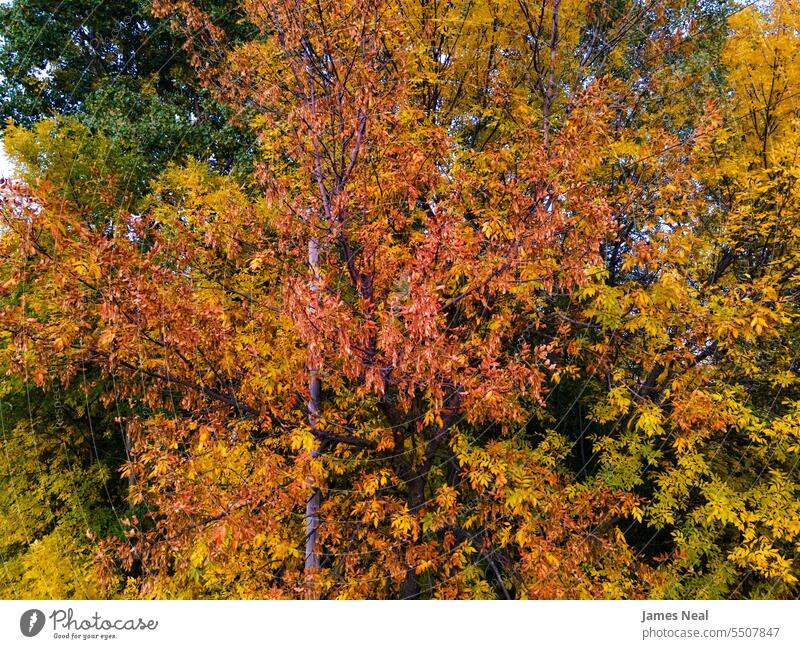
x=400, y=299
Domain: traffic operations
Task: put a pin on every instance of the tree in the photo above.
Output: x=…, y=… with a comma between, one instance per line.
x=109, y=99
x=691, y=330
x=506, y=307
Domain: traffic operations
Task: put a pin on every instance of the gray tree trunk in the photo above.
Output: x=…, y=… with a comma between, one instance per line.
x=312, y=504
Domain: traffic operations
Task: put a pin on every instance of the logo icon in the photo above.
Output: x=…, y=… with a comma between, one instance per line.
x=31, y=622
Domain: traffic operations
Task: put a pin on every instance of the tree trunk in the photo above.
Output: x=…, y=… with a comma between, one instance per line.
x=415, y=499
x=312, y=504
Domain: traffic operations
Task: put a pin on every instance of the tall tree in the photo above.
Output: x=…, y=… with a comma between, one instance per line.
x=506, y=307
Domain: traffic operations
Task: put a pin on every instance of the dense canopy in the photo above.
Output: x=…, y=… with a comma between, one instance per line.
x=400, y=299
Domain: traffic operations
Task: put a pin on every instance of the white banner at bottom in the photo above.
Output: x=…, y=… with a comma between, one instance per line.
x=401, y=625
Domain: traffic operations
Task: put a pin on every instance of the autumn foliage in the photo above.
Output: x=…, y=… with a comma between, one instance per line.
x=502, y=304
